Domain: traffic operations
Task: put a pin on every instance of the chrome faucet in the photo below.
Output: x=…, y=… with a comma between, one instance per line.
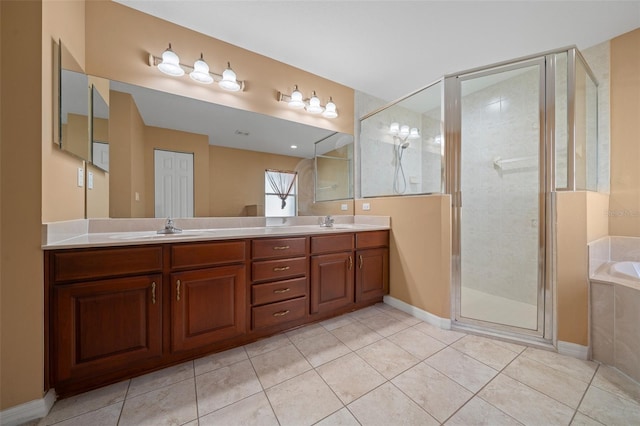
x=326, y=222
x=169, y=228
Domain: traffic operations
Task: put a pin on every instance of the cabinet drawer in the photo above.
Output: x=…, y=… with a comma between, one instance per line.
x=280, y=290
x=93, y=264
x=278, y=247
x=278, y=313
x=207, y=254
x=331, y=243
x=372, y=239
x=281, y=268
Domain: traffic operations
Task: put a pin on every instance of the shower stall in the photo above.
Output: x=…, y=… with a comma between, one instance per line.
x=501, y=140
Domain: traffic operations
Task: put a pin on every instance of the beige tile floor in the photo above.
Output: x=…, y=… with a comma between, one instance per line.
x=376, y=366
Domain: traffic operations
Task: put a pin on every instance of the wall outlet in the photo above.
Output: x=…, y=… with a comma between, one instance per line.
x=366, y=206
x=137, y=196
x=89, y=180
x=344, y=207
x=80, y=177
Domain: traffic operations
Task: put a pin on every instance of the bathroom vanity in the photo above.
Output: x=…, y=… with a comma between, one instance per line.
x=124, y=308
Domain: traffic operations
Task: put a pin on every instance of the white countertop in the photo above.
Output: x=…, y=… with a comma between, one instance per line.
x=125, y=238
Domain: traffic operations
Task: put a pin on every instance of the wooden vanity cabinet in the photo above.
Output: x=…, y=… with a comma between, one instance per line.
x=106, y=311
x=332, y=277
x=208, y=293
x=372, y=270
x=279, y=288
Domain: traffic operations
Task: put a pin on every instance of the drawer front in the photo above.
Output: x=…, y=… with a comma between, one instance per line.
x=277, y=269
x=278, y=247
x=372, y=239
x=331, y=243
x=92, y=264
x=278, y=291
x=207, y=254
x=278, y=313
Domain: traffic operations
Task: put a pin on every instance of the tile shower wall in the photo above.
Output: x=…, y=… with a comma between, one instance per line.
x=500, y=204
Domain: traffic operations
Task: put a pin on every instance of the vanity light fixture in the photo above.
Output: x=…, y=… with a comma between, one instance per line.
x=312, y=105
x=404, y=132
x=170, y=64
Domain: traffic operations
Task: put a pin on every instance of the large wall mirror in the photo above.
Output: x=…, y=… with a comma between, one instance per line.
x=99, y=129
x=224, y=150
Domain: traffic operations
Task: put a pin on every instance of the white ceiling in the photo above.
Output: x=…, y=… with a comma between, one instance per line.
x=391, y=48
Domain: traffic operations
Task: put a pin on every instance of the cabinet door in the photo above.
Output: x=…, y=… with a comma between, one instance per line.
x=331, y=282
x=207, y=306
x=103, y=326
x=372, y=274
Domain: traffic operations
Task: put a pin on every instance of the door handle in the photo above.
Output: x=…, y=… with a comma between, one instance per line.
x=281, y=268
x=361, y=261
x=178, y=290
x=350, y=263
x=153, y=292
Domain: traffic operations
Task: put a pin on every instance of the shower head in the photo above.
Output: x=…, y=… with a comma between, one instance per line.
x=404, y=145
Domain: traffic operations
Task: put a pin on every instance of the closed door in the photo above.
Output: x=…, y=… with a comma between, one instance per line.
x=173, y=184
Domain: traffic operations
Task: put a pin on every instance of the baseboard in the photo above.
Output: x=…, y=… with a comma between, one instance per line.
x=423, y=315
x=28, y=411
x=573, y=349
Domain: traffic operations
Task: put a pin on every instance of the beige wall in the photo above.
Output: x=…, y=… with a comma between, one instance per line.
x=21, y=137
x=98, y=196
x=123, y=56
x=420, y=251
x=174, y=140
x=625, y=135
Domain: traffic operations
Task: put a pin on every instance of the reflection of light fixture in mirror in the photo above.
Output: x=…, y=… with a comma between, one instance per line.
x=294, y=146
x=170, y=63
x=199, y=72
x=404, y=132
x=296, y=101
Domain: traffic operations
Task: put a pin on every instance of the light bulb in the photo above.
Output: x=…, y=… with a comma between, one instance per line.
x=414, y=133
x=170, y=63
x=404, y=130
x=314, y=106
x=200, y=72
x=229, y=81
x=296, y=101
x=330, y=110
x=394, y=128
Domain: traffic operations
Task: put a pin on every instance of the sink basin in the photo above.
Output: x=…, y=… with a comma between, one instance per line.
x=155, y=235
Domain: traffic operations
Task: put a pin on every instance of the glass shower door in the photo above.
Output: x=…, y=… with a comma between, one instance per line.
x=501, y=216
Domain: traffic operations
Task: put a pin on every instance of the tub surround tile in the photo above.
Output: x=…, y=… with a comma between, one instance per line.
x=433, y=391
x=602, y=322
x=171, y=405
x=303, y=400
x=350, y=377
x=625, y=248
x=386, y=405
x=626, y=336
x=599, y=254
x=478, y=412
x=609, y=409
x=525, y=404
x=253, y=410
x=225, y=386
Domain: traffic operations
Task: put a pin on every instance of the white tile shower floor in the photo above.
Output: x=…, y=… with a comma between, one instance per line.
x=376, y=366
x=500, y=310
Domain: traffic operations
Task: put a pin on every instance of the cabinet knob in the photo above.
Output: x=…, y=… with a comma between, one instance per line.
x=280, y=247
x=281, y=268
x=282, y=290
x=153, y=292
x=178, y=290
x=281, y=313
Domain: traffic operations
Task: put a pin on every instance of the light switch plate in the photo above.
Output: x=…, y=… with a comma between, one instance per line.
x=89, y=180
x=344, y=207
x=80, y=177
x=366, y=206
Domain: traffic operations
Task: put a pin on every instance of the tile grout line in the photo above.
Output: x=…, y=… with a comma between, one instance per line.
x=576, y=411
x=123, y=402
